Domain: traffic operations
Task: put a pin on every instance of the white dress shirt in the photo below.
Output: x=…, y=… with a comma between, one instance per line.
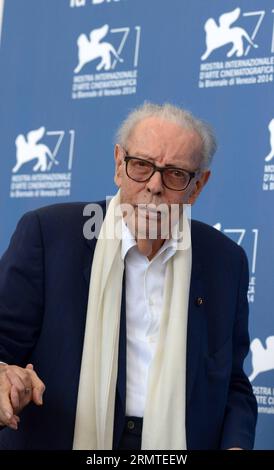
x=144, y=295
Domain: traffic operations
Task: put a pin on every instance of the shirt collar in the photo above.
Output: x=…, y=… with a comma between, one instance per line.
x=128, y=240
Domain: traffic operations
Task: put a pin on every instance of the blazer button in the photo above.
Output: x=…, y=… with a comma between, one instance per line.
x=131, y=425
x=199, y=301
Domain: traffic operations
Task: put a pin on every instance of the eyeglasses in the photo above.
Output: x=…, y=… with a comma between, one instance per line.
x=141, y=170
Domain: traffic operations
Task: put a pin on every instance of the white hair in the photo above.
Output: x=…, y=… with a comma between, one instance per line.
x=171, y=113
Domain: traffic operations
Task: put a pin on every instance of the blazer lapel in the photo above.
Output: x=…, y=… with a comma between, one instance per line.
x=196, y=319
x=89, y=259
x=91, y=244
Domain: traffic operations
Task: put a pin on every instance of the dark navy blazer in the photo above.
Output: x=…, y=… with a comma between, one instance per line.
x=44, y=282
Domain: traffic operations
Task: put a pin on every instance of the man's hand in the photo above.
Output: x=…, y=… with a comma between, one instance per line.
x=18, y=387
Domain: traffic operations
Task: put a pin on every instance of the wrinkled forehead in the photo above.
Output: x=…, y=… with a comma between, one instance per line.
x=152, y=128
x=163, y=136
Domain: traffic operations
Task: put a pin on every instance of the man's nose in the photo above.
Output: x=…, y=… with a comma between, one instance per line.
x=155, y=184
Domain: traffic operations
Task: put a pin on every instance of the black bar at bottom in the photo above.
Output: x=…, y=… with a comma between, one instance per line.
x=117, y=459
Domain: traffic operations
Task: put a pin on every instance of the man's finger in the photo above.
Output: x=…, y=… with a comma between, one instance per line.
x=13, y=423
x=21, y=388
x=21, y=383
x=33, y=384
x=14, y=397
x=20, y=378
x=37, y=390
x=6, y=410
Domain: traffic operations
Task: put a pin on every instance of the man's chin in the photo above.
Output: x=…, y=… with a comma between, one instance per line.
x=151, y=229
x=148, y=221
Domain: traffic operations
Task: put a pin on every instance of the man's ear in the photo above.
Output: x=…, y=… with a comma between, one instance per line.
x=199, y=184
x=118, y=156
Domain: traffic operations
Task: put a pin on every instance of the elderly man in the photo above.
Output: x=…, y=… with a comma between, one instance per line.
x=139, y=339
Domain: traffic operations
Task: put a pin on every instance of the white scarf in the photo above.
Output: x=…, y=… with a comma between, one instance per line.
x=164, y=416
